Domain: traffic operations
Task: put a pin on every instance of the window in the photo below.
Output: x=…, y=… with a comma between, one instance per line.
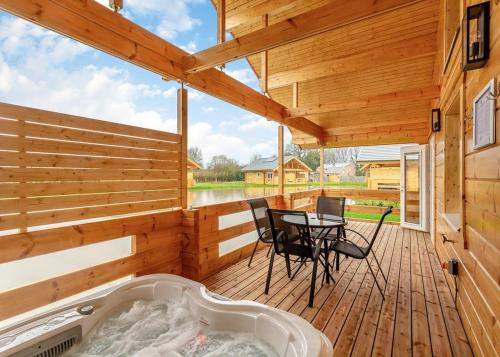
x=452, y=25
x=269, y=175
x=453, y=165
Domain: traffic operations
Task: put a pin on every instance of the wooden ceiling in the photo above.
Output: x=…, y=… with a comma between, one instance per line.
x=368, y=81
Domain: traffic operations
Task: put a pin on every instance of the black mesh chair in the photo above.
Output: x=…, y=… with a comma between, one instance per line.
x=334, y=206
x=344, y=246
x=289, y=241
x=259, y=209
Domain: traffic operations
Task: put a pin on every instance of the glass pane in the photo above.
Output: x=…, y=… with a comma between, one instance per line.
x=412, y=184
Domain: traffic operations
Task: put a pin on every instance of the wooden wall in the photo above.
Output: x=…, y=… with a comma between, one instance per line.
x=477, y=244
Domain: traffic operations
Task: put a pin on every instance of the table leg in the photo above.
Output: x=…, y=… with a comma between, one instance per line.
x=327, y=264
x=337, y=261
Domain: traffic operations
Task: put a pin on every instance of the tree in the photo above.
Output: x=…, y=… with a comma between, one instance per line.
x=195, y=154
x=254, y=158
x=222, y=168
x=333, y=156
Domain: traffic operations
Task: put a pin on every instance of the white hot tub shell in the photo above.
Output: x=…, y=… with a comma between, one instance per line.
x=57, y=330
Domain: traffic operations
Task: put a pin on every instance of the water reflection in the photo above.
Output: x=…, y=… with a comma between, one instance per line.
x=206, y=197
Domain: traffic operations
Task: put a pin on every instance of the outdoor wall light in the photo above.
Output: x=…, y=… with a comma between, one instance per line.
x=436, y=119
x=476, y=36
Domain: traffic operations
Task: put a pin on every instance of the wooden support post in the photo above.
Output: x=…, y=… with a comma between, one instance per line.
x=321, y=167
x=182, y=121
x=264, y=61
x=221, y=21
x=281, y=160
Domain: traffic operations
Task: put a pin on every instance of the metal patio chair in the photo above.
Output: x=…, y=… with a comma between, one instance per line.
x=288, y=241
x=347, y=247
x=259, y=209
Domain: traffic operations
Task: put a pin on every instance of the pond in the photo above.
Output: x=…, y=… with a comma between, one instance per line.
x=198, y=198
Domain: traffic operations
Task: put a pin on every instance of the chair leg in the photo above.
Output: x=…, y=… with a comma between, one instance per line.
x=269, y=273
x=313, y=283
x=375, y=277
x=297, y=270
x=379, y=266
x=253, y=253
x=288, y=269
x=269, y=250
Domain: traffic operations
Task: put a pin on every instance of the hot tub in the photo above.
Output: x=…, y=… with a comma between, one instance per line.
x=163, y=315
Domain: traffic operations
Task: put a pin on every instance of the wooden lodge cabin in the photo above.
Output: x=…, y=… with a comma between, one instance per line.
x=337, y=74
x=191, y=167
x=381, y=165
x=265, y=171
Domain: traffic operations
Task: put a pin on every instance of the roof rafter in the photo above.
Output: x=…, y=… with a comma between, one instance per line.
x=95, y=25
x=313, y=22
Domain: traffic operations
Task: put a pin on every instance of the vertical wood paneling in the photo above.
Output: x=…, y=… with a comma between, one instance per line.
x=478, y=283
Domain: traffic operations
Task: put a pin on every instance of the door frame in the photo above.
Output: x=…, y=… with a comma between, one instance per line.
x=423, y=151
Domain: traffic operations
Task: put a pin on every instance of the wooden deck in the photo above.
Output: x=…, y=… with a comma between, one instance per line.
x=418, y=316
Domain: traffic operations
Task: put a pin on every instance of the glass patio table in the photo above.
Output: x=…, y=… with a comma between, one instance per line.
x=324, y=224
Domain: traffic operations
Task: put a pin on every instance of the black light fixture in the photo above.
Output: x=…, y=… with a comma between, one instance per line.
x=476, y=36
x=436, y=119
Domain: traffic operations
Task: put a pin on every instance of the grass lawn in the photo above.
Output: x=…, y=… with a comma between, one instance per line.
x=242, y=184
x=373, y=216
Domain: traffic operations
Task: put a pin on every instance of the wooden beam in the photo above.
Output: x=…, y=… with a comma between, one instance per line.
x=281, y=160
x=93, y=24
x=418, y=47
x=221, y=21
x=313, y=22
x=264, y=61
x=182, y=130
x=430, y=92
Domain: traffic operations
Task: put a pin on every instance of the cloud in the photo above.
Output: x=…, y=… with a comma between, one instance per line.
x=191, y=47
x=87, y=90
x=208, y=109
x=257, y=123
x=243, y=75
x=170, y=92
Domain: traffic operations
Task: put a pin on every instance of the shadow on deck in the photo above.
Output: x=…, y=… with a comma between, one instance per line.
x=418, y=315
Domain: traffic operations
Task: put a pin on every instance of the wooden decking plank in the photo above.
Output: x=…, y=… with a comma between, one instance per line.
x=384, y=331
x=338, y=319
x=368, y=328
x=418, y=316
x=437, y=329
x=402, y=341
x=421, y=339
x=349, y=333
x=259, y=283
x=246, y=278
x=456, y=334
x=223, y=276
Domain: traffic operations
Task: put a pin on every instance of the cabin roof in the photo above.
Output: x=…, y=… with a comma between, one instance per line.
x=271, y=163
x=337, y=167
x=380, y=153
x=193, y=165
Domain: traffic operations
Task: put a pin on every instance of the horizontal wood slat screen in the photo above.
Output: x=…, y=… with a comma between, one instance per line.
x=57, y=168
x=156, y=249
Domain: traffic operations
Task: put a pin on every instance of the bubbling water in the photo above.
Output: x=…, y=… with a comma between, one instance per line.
x=166, y=329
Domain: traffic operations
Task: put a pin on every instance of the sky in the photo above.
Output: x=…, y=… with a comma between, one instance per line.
x=41, y=69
